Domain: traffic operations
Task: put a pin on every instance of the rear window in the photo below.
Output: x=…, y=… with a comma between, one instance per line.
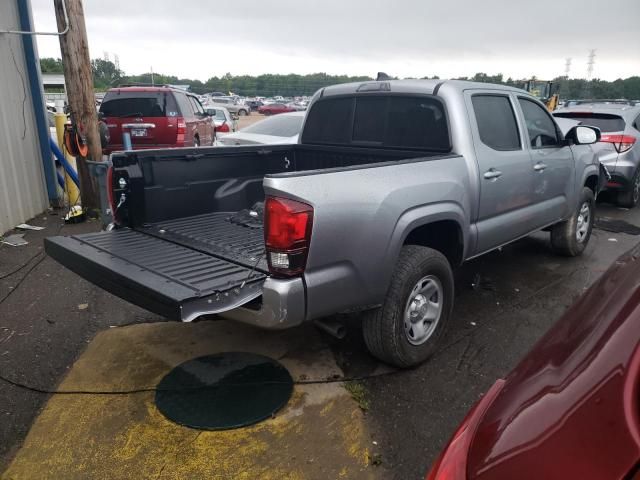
x=385, y=121
x=217, y=113
x=140, y=104
x=277, y=126
x=604, y=121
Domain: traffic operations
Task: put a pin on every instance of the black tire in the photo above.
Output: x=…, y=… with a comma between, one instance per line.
x=242, y=113
x=384, y=327
x=196, y=142
x=629, y=198
x=564, y=235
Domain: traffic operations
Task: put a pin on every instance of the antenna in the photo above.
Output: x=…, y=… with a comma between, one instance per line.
x=567, y=66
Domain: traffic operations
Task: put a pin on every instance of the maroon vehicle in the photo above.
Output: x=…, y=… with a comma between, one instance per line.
x=569, y=410
x=275, y=108
x=155, y=117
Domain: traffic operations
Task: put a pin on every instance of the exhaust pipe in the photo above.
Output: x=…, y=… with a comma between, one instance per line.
x=333, y=328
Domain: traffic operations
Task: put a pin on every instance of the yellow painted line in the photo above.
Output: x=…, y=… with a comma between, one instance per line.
x=321, y=434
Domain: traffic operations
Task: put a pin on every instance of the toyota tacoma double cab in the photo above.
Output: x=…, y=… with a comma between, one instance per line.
x=391, y=185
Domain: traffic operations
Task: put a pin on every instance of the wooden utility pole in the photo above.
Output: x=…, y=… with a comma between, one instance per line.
x=79, y=81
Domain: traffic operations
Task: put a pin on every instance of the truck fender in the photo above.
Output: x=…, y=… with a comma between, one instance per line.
x=421, y=216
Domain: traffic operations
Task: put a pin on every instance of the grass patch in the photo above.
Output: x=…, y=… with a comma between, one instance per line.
x=359, y=393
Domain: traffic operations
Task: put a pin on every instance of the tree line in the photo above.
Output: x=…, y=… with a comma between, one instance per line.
x=106, y=75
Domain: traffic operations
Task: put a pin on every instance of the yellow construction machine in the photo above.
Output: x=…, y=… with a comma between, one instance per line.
x=545, y=90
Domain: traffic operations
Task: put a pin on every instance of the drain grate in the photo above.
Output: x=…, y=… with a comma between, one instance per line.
x=224, y=391
x=616, y=226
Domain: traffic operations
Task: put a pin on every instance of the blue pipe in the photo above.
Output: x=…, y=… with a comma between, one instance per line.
x=64, y=162
x=60, y=179
x=35, y=89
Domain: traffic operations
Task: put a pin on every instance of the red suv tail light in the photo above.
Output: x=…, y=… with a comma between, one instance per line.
x=224, y=128
x=182, y=130
x=287, y=235
x=452, y=462
x=622, y=143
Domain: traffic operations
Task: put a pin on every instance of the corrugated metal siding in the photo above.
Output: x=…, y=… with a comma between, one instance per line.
x=22, y=187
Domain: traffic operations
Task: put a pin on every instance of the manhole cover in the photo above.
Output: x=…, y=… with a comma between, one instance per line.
x=616, y=226
x=224, y=391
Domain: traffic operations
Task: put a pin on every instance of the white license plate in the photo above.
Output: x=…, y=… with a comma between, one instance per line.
x=138, y=132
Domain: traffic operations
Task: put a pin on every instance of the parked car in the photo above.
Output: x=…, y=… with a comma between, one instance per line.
x=155, y=117
x=231, y=104
x=281, y=129
x=617, y=148
x=275, y=108
x=391, y=186
x=224, y=123
x=254, y=105
x=570, y=408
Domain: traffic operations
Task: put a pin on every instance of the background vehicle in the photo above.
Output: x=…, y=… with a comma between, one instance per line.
x=392, y=185
x=231, y=104
x=544, y=90
x=222, y=120
x=254, y=104
x=281, y=129
x=275, y=108
x=155, y=117
x=617, y=148
x=570, y=407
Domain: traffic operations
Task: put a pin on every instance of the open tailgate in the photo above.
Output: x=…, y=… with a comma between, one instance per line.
x=167, y=278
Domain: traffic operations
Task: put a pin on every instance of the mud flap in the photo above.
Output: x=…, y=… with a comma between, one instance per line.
x=603, y=178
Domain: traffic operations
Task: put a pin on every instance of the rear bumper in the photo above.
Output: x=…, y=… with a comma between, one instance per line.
x=282, y=306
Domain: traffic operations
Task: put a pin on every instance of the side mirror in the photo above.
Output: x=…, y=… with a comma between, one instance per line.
x=583, y=135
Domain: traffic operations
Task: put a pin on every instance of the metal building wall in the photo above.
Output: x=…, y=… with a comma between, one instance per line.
x=23, y=193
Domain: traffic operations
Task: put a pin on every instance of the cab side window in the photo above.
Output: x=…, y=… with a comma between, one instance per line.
x=542, y=129
x=496, y=122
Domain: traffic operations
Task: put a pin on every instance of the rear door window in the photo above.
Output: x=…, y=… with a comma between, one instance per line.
x=186, y=110
x=197, y=108
x=496, y=122
x=376, y=120
x=138, y=104
x=604, y=121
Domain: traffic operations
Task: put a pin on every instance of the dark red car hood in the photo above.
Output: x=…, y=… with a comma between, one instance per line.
x=569, y=409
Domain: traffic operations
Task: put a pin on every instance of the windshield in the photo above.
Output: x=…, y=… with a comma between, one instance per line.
x=281, y=126
x=143, y=104
x=606, y=122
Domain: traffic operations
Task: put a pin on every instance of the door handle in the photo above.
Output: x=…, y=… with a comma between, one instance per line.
x=492, y=174
x=540, y=166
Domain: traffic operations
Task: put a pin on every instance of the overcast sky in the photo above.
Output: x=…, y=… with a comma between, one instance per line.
x=407, y=38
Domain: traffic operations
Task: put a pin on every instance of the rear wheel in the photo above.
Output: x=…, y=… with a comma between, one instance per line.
x=630, y=198
x=405, y=331
x=570, y=238
x=242, y=113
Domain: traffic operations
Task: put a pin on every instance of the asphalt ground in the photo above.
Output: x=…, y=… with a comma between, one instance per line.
x=58, y=332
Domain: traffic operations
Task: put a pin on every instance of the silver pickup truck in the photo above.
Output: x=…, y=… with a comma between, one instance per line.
x=391, y=186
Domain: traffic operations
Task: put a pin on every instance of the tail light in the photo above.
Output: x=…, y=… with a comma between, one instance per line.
x=224, y=128
x=287, y=235
x=452, y=462
x=182, y=130
x=622, y=143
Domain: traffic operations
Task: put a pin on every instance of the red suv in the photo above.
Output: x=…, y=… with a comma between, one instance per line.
x=155, y=117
